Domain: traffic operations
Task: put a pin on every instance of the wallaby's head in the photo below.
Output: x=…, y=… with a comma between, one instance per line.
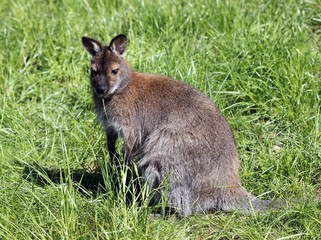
x=109, y=70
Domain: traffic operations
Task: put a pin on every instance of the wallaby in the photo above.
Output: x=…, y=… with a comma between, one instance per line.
x=171, y=131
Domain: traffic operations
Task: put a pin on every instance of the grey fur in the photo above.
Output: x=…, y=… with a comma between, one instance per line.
x=171, y=131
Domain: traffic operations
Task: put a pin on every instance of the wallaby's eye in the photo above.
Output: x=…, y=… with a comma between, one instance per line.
x=115, y=71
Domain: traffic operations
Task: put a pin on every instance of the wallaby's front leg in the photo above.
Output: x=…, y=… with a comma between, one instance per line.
x=111, y=143
x=129, y=145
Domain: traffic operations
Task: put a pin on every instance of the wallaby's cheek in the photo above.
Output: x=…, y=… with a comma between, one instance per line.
x=112, y=81
x=113, y=84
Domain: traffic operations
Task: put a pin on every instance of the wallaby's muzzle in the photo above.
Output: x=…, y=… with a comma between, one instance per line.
x=101, y=91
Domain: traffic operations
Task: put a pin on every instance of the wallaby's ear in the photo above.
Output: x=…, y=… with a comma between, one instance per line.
x=92, y=46
x=118, y=44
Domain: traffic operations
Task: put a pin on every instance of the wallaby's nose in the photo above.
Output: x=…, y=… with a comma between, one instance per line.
x=101, y=90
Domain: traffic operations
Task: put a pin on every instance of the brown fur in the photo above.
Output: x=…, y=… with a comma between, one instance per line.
x=171, y=131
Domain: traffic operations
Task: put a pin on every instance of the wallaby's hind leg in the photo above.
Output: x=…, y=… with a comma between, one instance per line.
x=166, y=186
x=180, y=200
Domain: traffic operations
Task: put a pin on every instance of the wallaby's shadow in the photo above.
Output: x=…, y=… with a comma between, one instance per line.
x=117, y=177
x=91, y=181
x=86, y=179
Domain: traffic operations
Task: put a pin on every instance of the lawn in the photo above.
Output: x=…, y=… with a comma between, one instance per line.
x=259, y=61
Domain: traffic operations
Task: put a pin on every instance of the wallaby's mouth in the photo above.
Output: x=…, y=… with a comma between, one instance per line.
x=103, y=96
x=101, y=91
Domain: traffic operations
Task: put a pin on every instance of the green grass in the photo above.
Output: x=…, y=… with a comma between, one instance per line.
x=258, y=60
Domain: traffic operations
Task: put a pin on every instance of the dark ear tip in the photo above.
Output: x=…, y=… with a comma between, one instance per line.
x=83, y=39
x=122, y=36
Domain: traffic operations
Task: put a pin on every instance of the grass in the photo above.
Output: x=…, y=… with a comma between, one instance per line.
x=258, y=60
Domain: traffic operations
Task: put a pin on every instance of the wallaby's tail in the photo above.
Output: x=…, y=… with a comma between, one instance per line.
x=264, y=205
x=240, y=200
x=252, y=203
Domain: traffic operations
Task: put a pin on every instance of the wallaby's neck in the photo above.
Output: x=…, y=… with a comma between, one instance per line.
x=126, y=80
x=133, y=76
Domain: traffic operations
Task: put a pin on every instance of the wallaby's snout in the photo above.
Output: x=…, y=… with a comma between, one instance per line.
x=100, y=84
x=101, y=91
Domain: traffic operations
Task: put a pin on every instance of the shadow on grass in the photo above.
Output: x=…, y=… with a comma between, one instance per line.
x=90, y=181
x=86, y=179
